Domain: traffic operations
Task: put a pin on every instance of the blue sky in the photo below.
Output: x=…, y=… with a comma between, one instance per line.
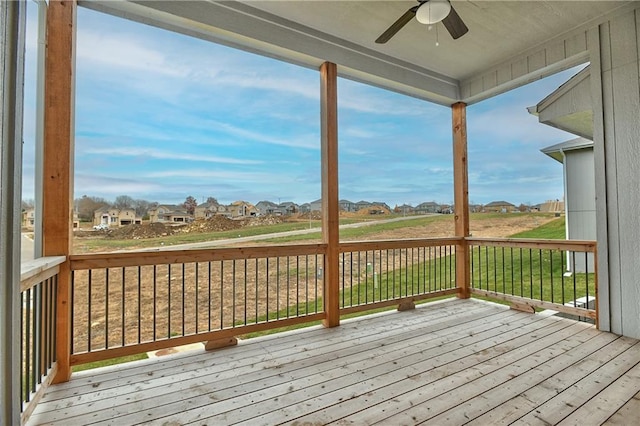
x=161, y=116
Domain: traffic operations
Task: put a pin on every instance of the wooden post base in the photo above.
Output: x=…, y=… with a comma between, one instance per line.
x=220, y=343
x=406, y=305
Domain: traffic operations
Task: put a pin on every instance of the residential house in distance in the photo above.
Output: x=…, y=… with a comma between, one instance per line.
x=305, y=208
x=552, y=206
x=347, y=206
x=266, y=207
x=362, y=205
x=427, y=207
x=112, y=216
x=208, y=210
x=315, y=206
x=475, y=208
x=171, y=213
x=405, y=209
x=288, y=208
x=29, y=218
x=499, y=207
x=239, y=209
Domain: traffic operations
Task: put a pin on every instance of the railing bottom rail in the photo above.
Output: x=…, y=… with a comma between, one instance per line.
x=571, y=310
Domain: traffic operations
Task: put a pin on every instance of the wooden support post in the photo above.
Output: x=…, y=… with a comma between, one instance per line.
x=57, y=220
x=461, y=197
x=330, y=206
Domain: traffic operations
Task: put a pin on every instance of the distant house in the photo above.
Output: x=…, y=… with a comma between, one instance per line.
x=288, y=208
x=208, y=210
x=552, y=206
x=363, y=205
x=315, y=206
x=266, y=207
x=112, y=216
x=445, y=209
x=171, y=213
x=405, y=209
x=305, y=208
x=427, y=207
x=29, y=218
x=239, y=209
x=347, y=206
x=499, y=207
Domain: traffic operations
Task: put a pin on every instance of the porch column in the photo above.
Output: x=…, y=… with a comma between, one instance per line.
x=330, y=207
x=461, y=196
x=12, y=39
x=57, y=188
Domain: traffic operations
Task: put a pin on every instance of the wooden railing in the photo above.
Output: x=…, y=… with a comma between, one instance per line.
x=38, y=298
x=548, y=274
x=126, y=303
x=384, y=273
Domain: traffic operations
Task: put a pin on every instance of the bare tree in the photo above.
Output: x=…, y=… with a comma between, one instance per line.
x=190, y=204
x=141, y=207
x=86, y=206
x=123, y=202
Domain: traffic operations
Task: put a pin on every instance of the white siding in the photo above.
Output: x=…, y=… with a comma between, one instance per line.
x=580, y=201
x=617, y=141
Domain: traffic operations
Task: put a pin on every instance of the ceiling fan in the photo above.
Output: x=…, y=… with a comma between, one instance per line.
x=429, y=12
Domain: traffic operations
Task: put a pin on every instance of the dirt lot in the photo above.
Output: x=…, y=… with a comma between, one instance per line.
x=480, y=226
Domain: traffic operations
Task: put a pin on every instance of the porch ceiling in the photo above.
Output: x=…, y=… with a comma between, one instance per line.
x=509, y=42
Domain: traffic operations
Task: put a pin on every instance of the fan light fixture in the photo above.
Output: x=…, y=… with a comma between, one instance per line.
x=433, y=11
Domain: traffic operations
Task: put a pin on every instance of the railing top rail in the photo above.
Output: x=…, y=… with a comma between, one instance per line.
x=141, y=258
x=348, y=246
x=568, y=245
x=36, y=270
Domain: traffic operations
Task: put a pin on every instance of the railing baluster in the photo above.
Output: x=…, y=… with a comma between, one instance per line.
x=139, y=304
x=184, y=265
x=573, y=270
x=221, y=294
x=124, y=299
x=210, y=296
x=106, y=309
x=155, y=300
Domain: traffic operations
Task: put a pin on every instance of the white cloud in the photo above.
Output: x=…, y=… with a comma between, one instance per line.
x=226, y=175
x=159, y=154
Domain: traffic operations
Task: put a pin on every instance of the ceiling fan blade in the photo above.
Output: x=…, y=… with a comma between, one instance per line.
x=397, y=26
x=454, y=24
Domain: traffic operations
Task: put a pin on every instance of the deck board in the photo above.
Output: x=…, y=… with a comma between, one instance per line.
x=450, y=362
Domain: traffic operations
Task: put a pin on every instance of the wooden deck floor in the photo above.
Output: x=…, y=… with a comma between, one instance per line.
x=448, y=363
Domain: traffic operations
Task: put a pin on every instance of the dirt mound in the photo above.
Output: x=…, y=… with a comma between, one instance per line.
x=373, y=210
x=136, y=232
x=314, y=215
x=213, y=224
x=221, y=223
x=264, y=220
